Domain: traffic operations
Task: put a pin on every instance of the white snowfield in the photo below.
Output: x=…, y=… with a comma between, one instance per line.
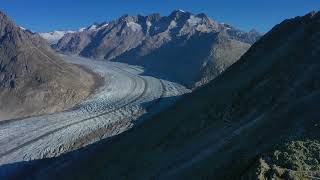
x=54, y=37
x=125, y=98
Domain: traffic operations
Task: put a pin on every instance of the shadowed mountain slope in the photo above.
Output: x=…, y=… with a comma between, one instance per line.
x=269, y=99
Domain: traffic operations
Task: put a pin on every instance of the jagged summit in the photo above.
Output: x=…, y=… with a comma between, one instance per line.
x=313, y=14
x=178, y=23
x=3, y=15
x=154, y=16
x=6, y=24
x=148, y=41
x=177, y=13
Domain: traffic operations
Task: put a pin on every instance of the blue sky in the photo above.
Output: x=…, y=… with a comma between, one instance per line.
x=48, y=15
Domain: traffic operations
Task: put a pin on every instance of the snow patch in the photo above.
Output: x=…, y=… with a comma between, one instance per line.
x=193, y=21
x=173, y=24
x=103, y=26
x=55, y=36
x=134, y=26
x=92, y=27
x=202, y=28
x=82, y=29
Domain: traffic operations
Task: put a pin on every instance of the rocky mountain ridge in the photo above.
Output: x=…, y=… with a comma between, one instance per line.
x=33, y=79
x=54, y=37
x=159, y=43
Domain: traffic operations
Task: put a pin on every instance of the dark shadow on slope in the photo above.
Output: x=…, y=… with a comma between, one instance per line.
x=39, y=168
x=57, y=168
x=156, y=106
x=181, y=60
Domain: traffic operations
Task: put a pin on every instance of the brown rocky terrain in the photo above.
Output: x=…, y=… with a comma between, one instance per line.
x=33, y=79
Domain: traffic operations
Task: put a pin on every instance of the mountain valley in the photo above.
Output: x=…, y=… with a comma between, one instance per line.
x=161, y=97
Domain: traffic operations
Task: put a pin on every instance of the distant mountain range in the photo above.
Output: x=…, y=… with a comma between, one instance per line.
x=188, y=48
x=54, y=37
x=33, y=79
x=258, y=120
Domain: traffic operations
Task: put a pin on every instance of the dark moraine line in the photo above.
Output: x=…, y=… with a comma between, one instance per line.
x=100, y=132
x=78, y=122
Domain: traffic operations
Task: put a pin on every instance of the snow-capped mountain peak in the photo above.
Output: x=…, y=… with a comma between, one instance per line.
x=94, y=27
x=54, y=37
x=82, y=29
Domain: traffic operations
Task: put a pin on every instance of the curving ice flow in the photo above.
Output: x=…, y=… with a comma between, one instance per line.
x=126, y=98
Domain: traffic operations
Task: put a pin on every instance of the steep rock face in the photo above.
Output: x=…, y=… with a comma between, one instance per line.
x=72, y=43
x=269, y=99
x=170, y=45
x=33, y=80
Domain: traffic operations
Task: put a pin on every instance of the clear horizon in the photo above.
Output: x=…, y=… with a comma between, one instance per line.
x=46, y=16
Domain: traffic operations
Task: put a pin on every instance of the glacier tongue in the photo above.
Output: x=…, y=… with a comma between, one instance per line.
x=113, y=108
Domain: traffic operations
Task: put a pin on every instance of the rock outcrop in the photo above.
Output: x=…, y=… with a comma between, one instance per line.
x=33, y=79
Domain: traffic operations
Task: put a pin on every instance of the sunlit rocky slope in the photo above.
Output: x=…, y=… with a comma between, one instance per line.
x=33, y=79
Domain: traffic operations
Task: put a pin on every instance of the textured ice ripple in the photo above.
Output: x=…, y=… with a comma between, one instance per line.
x=110, y=110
